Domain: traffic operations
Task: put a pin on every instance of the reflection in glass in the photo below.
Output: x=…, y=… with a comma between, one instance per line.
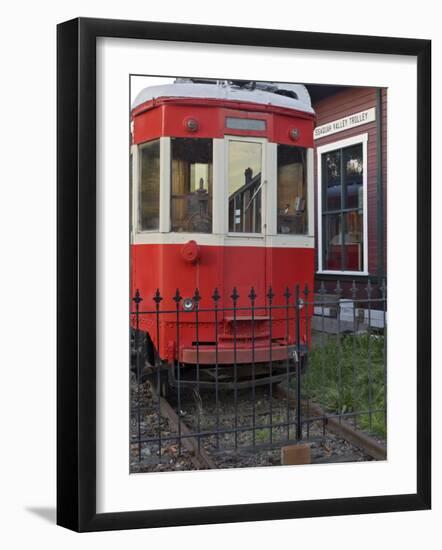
x=191, y=197
x=332, y=242
x=245, y=187
x=353, y=176
x=149, y=194
x=332, y=179
x=291, y=190
x=353, y=240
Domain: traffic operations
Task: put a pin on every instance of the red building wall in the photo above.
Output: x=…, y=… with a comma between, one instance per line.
x=340, y=105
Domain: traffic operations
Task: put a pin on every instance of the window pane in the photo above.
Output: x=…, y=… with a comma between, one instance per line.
x=353, y=176
x=291, y=190
x=149, y=197
x=244, y=187
x=191, y=199
x=353, y=241
x=331, y=179
x=332, y=241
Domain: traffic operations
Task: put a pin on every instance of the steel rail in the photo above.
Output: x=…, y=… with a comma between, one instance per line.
x=198, y=455
x=341, y=427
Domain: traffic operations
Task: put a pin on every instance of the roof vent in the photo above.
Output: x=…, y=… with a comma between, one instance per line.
x=287, y=93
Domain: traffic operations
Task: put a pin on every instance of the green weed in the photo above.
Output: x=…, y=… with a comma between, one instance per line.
x=346, y=374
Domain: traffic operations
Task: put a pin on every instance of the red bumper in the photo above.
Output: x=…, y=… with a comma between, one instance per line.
x=209, y=355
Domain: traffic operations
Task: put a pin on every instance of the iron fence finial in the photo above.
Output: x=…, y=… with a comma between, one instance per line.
x=137, y=298
x=354, y=290
x=252, y=294
x=234, y=295
x=338, y=289
x=197, y=296
x=216, y=295
x=157, y=298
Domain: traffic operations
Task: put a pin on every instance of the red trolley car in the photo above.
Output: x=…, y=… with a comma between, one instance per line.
x=222, y=198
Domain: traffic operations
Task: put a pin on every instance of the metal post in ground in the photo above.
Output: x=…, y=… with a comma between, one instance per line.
x=298, y=366
x=157, y=299
x=137, y=299
x=177, y=299
x=252, y=298
x=234, y=298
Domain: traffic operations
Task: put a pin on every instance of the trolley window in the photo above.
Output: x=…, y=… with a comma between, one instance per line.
x=191, y=197
x=245, y=166
x=149, y=191
x=292, y=190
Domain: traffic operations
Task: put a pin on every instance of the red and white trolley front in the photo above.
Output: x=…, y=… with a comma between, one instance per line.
x=222, y=198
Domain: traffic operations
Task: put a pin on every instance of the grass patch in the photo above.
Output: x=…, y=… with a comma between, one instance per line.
x=346, y=374
x=262, y=436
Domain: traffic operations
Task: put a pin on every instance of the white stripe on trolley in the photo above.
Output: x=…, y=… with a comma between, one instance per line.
x=269, y=241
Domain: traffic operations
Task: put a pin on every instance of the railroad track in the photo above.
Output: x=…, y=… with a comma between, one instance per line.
x=238, y=449
x=198, y=455
x=341, y=427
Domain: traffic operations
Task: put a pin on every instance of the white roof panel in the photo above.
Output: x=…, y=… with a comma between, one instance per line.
x=221, y=89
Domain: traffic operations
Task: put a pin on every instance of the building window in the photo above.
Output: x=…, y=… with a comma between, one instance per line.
x=291, y=190
x=149, y=190
x=191, y=197
x=343, y=213
x=245, y=168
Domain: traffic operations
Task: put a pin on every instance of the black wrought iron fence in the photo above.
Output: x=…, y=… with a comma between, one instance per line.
x=245, y=372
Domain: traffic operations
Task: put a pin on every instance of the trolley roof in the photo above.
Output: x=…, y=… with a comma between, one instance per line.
x=289, y=96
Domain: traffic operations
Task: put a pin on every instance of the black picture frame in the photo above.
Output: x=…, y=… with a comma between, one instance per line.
x=76, y=273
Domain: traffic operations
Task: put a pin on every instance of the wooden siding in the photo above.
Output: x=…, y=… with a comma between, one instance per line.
x=340, y=105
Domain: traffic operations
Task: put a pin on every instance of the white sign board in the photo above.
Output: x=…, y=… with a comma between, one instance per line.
x=345, y=123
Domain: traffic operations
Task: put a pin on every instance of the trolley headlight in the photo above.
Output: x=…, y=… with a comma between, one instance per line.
x=188, y=304
x=294, y=134
x=191, y=124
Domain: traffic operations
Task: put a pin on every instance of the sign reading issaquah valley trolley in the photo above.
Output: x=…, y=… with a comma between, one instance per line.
x=352, y=121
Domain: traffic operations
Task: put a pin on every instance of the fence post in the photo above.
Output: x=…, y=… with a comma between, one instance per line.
x=270, y=296
x=252, y=297
x=196, y=300
x=157, y=299
x=234, y=296
x=216, y=297
x=305, y=294
x=177, y=299
x=137, y=299
x=298, y=366
x=287, y=295
x=384, y=318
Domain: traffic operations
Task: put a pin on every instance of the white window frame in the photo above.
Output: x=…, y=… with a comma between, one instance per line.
x=164, y=195
x=163, y=234
x=134, y=195
x=295, y=239
x=220, y=211
x=361, y=138
x=167, y=194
